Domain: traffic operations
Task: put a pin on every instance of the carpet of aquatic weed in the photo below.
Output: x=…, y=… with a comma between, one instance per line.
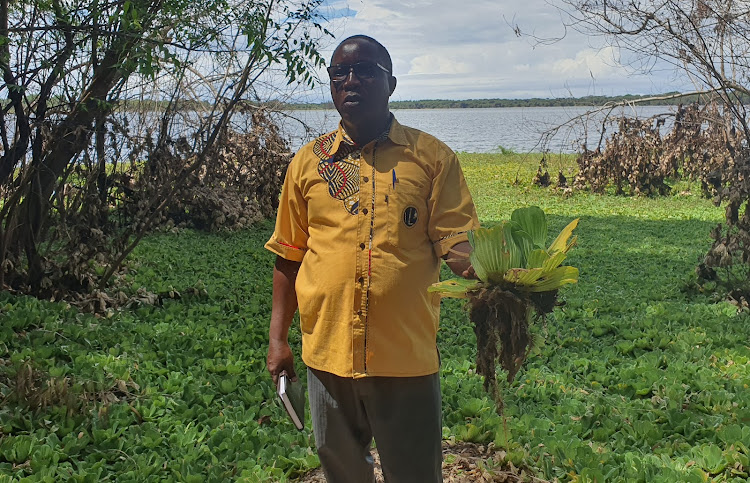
x=635, y=378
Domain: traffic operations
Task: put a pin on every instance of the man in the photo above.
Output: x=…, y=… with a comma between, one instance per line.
x=366, y=214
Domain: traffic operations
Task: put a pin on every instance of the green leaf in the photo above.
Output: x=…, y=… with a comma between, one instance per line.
x=712, y=459
x=522, y=276
x=522, y=242
x=533, y=221
x=561, y=242
x=554, y=261
x=555, y=279
x=536, y=258
x=456, y=287
x=483, y=257
x=498, y=249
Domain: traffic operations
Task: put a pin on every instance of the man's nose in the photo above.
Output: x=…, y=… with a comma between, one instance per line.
x=351, y=78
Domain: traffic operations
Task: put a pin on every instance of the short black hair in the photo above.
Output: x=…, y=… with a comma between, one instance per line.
x=384, y=56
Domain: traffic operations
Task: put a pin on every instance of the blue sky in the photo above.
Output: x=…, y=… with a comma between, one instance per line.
x=467, y=49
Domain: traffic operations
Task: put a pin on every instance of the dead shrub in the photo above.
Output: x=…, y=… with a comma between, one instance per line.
x=629, y=160
x=37, y=390
x=166, y=181
x=236, y=186
x=706, y=144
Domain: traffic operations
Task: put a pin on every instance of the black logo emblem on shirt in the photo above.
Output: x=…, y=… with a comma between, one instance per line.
x=410, y=216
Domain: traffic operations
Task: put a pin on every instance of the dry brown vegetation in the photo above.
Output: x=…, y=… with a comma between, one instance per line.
x=236, y=185
x=705, y=144
x=98, y=219
x=637, y=160
x=36, y=390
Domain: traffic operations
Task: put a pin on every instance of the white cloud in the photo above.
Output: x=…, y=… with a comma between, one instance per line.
x=435, y=64
x=599, y=63
x=371, y=13
x=468, y=49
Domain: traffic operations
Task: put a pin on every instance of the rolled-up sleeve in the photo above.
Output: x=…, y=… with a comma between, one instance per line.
x=452, y=211
x=289, y=239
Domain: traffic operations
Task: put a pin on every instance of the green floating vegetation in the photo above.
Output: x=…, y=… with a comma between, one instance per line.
x=634, y=378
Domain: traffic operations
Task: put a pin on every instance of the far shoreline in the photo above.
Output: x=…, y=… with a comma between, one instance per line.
x=667, y=99
x=670, y=98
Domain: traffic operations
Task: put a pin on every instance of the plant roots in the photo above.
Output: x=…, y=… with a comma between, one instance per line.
x=501, y=318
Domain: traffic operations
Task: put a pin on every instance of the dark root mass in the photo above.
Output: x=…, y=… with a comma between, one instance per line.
x=501, y=319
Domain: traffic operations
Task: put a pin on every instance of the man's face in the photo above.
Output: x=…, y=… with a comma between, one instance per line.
x=363, y=98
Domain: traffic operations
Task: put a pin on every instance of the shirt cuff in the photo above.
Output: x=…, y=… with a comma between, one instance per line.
x=443, y=246
x=285, y=250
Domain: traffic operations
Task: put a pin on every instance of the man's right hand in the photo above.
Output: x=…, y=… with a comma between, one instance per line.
x=280, y=359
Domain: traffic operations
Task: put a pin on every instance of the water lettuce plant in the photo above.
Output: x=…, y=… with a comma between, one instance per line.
x=518, y=276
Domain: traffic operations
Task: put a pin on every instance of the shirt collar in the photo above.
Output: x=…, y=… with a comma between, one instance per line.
x=395, y=132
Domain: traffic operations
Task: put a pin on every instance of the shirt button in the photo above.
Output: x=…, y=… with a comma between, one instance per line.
x=364, y=211
x=362, y=246
x=365, y=179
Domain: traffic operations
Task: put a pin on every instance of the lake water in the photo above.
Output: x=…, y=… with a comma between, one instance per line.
x=482, y=130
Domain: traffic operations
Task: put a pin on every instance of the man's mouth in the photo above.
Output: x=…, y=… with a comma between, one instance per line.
x=352, y=99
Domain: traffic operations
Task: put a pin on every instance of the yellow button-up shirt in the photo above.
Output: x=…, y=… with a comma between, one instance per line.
x=369, y=226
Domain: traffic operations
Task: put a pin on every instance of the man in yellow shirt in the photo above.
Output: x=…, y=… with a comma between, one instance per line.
x=366, y=214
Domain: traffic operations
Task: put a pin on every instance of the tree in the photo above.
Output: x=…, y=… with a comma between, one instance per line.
x=78, y=73
x=708, y=42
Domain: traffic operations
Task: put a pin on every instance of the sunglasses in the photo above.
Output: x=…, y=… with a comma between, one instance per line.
x=363, y=70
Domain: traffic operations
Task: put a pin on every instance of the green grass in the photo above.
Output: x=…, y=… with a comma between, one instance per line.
x=633, y=379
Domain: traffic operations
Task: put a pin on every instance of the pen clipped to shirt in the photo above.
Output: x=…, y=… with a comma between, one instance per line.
x=395, y=179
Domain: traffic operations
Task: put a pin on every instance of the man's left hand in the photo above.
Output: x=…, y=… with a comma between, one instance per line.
x=469, y=273
x=458, y=260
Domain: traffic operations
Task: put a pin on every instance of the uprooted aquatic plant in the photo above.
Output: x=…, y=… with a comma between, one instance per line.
x=518, y=276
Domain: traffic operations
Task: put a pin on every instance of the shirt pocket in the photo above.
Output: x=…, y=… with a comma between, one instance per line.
x=407, y=217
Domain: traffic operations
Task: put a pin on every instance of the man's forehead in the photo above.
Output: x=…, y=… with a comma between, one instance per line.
x=360, y=48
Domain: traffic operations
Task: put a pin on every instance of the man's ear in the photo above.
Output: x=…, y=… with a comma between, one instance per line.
x=392, y=84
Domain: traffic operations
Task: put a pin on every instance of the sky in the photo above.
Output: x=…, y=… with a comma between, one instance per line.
x=467, y=49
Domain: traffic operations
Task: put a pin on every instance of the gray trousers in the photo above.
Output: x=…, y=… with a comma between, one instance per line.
x=402, y=414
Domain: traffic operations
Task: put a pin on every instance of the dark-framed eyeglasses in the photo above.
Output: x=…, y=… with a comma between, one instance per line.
x=363, y=70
